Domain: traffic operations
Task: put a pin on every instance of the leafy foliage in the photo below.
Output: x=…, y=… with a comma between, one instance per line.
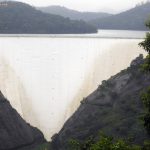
x=45, y=146
x=105, y=143
x=146, y=67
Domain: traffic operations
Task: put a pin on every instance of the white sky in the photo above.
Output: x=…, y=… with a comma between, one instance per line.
x=88, y=5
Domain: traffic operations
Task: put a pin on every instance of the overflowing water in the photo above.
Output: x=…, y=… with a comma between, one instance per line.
x=46, y=78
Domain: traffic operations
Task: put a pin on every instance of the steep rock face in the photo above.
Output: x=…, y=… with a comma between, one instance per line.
x=114, y=108
x=15, y=133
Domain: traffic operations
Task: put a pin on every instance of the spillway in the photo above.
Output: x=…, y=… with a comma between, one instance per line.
x=46, y=78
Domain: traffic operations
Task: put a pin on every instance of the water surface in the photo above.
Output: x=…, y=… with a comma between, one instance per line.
x=128, y=34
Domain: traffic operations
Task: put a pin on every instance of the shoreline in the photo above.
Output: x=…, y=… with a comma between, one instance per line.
x=65, y=36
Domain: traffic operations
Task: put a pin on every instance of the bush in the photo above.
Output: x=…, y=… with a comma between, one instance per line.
x=104, y=143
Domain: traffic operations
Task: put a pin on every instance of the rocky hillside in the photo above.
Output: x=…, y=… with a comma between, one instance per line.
x=19, y=18
x=114, y=108
x=15, y=133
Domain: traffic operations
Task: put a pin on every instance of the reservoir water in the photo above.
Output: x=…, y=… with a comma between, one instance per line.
x=46, y=76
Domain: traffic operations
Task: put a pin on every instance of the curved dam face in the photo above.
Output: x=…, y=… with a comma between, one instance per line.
x=46, y=78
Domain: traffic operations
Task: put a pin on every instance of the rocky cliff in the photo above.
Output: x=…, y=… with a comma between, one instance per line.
x=114, y=108
x=15, y=133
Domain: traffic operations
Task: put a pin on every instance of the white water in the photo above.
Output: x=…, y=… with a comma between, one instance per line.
x=46, y=78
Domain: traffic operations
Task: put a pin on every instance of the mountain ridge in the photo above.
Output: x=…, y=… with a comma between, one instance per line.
x=18, y=17
x=73, y=14
x=132, y=19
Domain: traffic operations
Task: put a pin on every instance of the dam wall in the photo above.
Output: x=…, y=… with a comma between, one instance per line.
x=46, y=78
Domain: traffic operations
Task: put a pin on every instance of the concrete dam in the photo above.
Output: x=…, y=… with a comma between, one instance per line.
x=46, y=78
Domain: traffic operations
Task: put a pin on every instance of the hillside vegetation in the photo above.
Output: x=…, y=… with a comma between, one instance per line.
x=17, y=17
x=132, y=19
x=73, y=14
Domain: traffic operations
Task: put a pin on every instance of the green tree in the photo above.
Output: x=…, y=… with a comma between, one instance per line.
x=104, y=143
x=146, y=67
x=146, y=45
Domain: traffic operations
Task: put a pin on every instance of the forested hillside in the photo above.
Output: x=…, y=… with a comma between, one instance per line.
x=132, y=19
x=17, y=17
x=73, y=14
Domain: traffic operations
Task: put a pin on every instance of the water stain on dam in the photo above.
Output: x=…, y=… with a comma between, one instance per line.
x=104, y=66
x=46, y=82
x=14, y=91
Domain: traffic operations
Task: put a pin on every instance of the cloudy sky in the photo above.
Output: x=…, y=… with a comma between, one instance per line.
x=88, y=5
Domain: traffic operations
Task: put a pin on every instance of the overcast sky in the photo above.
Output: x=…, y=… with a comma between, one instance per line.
x=88, y=5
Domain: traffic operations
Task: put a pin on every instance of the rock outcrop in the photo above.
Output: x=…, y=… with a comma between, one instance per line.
x=15, y=133
x=114, y=108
